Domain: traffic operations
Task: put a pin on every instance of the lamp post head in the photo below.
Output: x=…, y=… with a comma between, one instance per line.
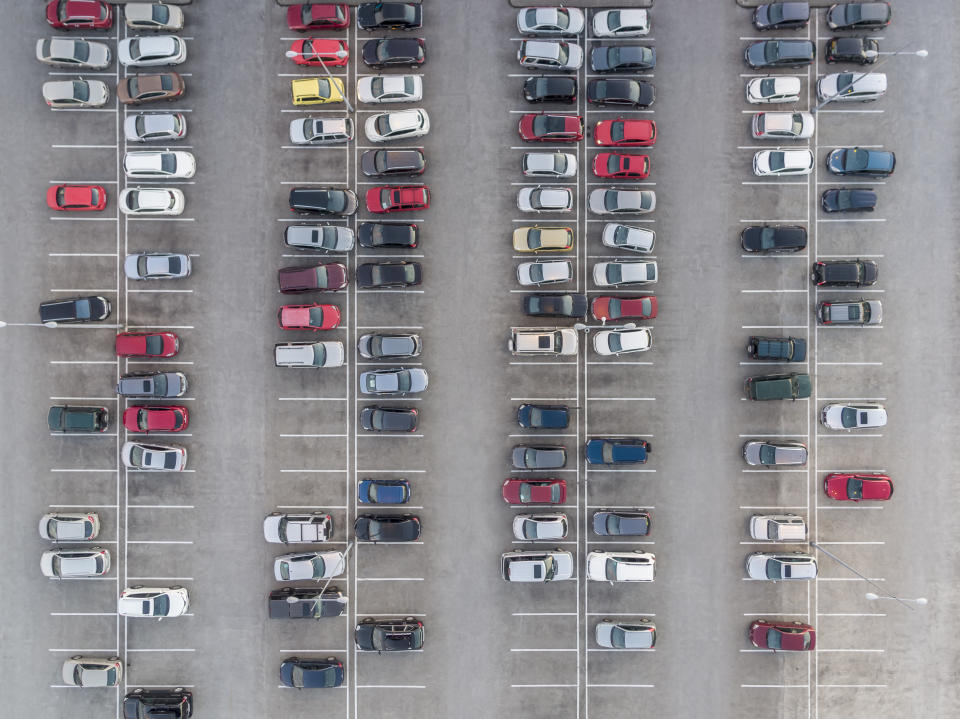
x=291, y=54
x=922, y=53
x=50, y=324
x=871, y=596
x=922, y=601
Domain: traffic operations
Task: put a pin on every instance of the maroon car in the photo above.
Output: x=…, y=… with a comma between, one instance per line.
x=325, y=277
x=609, y=307
x=545, y=127
x=147, y=344
x=72, y=14
x=854, y=487
x=328, y=16
x=785, y=636
x=534, y=491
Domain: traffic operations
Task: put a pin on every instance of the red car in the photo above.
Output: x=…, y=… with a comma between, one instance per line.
x=147, y=344
x=394, y=198
x=71, y=14
x=311, y=50
x=313, y=17
x=76, y=198
x=534, y=491
x=613, y=164
x=854, y=487
x=543, y=127
x=156, y=418
x=625, y=133
x=616, y=308
x=785, y=636
x=309, y=317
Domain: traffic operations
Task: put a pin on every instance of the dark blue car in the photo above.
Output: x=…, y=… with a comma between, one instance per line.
x=383, y=491
x=624, y=450
x=543, y=416
x=860, y=161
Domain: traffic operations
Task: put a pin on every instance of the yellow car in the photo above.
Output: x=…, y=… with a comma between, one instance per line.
x=542, y=239
x=316, y=90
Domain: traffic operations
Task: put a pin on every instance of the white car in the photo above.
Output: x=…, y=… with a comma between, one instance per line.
x=280, y=528
x=544, y=199
x=155, y=127
x=397, y=125
x=153, y=16
x=75, y=562
x=153, y=457
x=151, y=51
x=769, y=90
x=550, y=21
x=151, y=201
x=623, y=22
x=540, y=526
x=70, y=526
x=625, y=237
x=635, y=566
x=853, y=416
x=852, y=87
x=163, y=165
x=782, y=126
x=778, y=528
x=390, y=88
x=549, y=164
x=308, y=354
x=611, y=201
x=775, y=566
x=773, y=163
x=156, y=266
x=67, y=52
x=158, y=602
x=550, y=55
x=75, y=93
x=321, y=131
x=80, y=671
x=549, y=565
x=323, y=238
x=628, y=272
x=308, y=565
x=621, y=635
x=617, y=342
x=544, y=272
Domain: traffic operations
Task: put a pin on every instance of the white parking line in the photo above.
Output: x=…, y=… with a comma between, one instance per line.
x=161, y=650
x=776, y=686
x=160, y=506
x=61, y=470
x=392, y=686
x=621, y=399
x=389, y=579
x=160, y=579
x=84, y=219
x=83, y=614
x=620, y=686
x=869, y=219
x=848, y=614
x=85, y=147
x=312, y=471
x=542, y=686
x=314, y=435
x=543, y=650
x=311, y=399
x=158, y=541
x=544, y=614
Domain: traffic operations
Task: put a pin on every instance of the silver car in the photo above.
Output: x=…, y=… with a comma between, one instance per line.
x=67, y=52
x=155, y=127
x=852, y=87
x=635, y=566
x=308, y=565
x=853, y=416
x=623, y=341
x=390, y=88
x=549, y=164
x=610, y=201
x=152, y=384
x=770, y=90
x=397, y=125
x=385, y=345
x=525, y=456
x=70, y=526
x=153, y=457
x=776, y=163
x=774, y=566
x=151, y=51
x=323, y=238
x=628, y=272
x=81, y=671
x=153, y=602
x=156, y=266
x=625, y=237
x=75, y=563
x=321, y=131
x=544, y=272
x=308, y=354
x=75, y=93
x=540, y=526
x=280, y=528
x=399, y=381
x=153, y=16
x=550, y=21
x=622, y=635
x=544, y=199
x=151, y=201
x=778, y=528
x=538, y=566
x=758, y=452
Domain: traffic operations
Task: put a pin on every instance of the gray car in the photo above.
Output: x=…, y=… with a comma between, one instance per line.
x=152, y=384
x=388, y=346
x=70, y=526
x=398, y=381
x=75, y=562
x=759, y=452
x=155, y=127
x=321, y=131
x=80, y=671
x=75, y=93
x=156, y=266
x=621, y=635
x=325, y=238
x=776, y=566
x=67, y=52
x=621, y=523
x=540, y=526
x=527, y=457
x=549, y=164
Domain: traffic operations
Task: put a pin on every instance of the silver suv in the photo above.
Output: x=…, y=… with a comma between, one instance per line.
x=543, y=341
x=321, y=131
x=775, y=566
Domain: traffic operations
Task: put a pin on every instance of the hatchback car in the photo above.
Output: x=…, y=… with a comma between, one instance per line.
x=544, y=199
x=844, y=273
x=621, y=91
x=155, y=418
x=389, y=16
x=81, y=671
x=298, y=673
x=534, y=491
x=622, y=341
x=605, y=307
x=616, y=450
x=156, y=266
x=781, y=566
x=308, y=355
x=852, y=87
x=612, y=201
x=782, y=636
x=392, y=163
x=635, y=566
x=388, y=235
x=550, y=55
x=147, y=344
x=315, y=51
x=626, y=272
x=75, y=93
x=845, y=199
x=389, y=419
x=308, y=565
x=141, y=703
x=397, y=125
x=383, y=491
x=538, y=566
x=853, y=416
x=162, y=165
x=861, y=161
x=850, y=312
x=543, y=127
x=625, y=635
x=526, y=456
x=542, y=239
x=781, y=16
x=543, y=527
x=153, y=457
x=305, y=603
x=623, y=58
x=394, y=381
x=544, y=272
x=773, y=239
x=79, y=14
x=321, y=131
x=394, y=52
x=780, y=53
x=153, y=16
x=617, y=165
x=152, y=384
x=859, y=16
x=76, y=198
x=780, y=163
x=397, y=198
x=390, y=88
x=316, y=90
x=626, y=237
x=856, y=487
x=151, y=201
x=861, y=50
x=765, y=453
x=70, y=53
x=555, y=305
x=388, y=346
x=75, y=309
x=387, y=528
x=543, y=416
x=137, y=89
x=309, y=317
x=318, y=16
x=625, y=133
x=625, y=22
x=70, y=526
x=154, y=602
x=320, y=238
x=621, y=523
x=550, y=21
x=151, y=51
x=155, y=127
x=73, y=563
x=769, y=90
x=323, y=201
x=546, y=88
x=782, y=126
x=389, y=274
x=389, y=635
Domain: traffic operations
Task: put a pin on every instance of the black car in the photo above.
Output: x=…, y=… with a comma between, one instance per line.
x=323, y=201
x=778, y=349
x=845, y=273
x=389, y=16
x=621, y=523
x=387, y=528
x=387, y=234
x=543, y=416
x=769, y=239
x=389, y=635
x=620, y=91
x=780, y=53
x=781, y=16
x=156, y=703
x=311, y=673
x=862, y=50
x=550, y=88
x=843, y=199
x=545, y=305
x=394, y=51
x=75, y=309
x=859, y=161
x=389, y=274
x=623, y=58
x=859, y=15
x=306, y=603
x=389, y=163
x=64, y=418
x=389, y=419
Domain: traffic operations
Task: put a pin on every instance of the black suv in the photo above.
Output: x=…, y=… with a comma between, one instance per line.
x=545, y=305
x=620, y=91
x=781, y=16
x=780, y=53
x=389, y=274
x=843, y=199
x=306, y=603
x=780, y=349
x=389, y=635
x=155, y=703
x=384, y=234
x=75, y=309
x=844, y=273
x=323, y=201
x=862, y=50
x=623, y=58
x=388, y=163
x=769, y=239
x=544, y=88
x=63, y=418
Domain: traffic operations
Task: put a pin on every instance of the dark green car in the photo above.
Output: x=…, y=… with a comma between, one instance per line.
x=778, y=386
x=63, y=418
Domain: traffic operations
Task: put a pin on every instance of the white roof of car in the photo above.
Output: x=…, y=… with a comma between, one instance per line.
x=153, y=198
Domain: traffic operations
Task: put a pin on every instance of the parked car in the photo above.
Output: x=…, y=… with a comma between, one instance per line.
x=70, y=526
x=153, y=457
x=153, y=16
x=621, y=523
x=620, y=91
x=778, y=528
x=550, y=88
x=623, y=58
x=374, y=418
x=321, y=131
x=156, y=266
x=390, y=88
x=773, y=239
x=556, y=341
x=151, y=50
x=151, y=201
x=394, y=381
x=544, y=527
x=635, y=566
x=622, y=341
x=162, y=165
x=305, y=603
x=781, y=16
x=623, y=132
x=392, y=163
x=544, y=127
x=536, y=565
x=776, y=566
x=861, y=50
x=543, y=416
x=544, y=272
x=782, y=636
x=779, y=349
x=844, y=273
x=769, y=90
x=544, y=199
x=757, y=452
x=155, y=418
x=320, y=238
x=389, y=635
x=627, y=237
x=75, y=562
x=64, y=418
x=861, y=161
x=308, y=354
x=542, y=239
x=387, y=528
x=863, y=415
x=389, y=274
x=326, y=16
x=383, y=491
x=75, y=309
x=553, y=305
x=606, y=307
x=617, y=165
x=154, y=127
x=79, y=15
x=778, y=386
x=176, y=703
x=616, y=450
x=308, y=565
x=852, y=87
x=859, y=16
x=298, y=673
x=397, y=125
x=534, y=491
x=77, y=93
x=309, y=317
x=397, y=198
x=375, y=235
x=147, y=344
x=550, y=55
x=780, y=53
x=626, y=272
x=549, y=21
x=138, y=89
x=779, y=163
x=641, y=634
x=608, y=201
x=74, y=54
x=389, y=16
x=153, y=602
x=76, y=198
x=283, y=528
x=152, y=384
x=526, y=456
x=316, y=90
x=84, y=671
x=322, y=277
x=549, y=164
x=844, y=199
x=393, y=52
x=388, y=345
x=850, y=312
x=782, y=126
x=624, y=22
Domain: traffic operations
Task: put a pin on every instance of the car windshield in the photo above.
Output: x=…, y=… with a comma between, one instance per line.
x=776, y=160
x=845, y=83
x=775, y=569
x=856, y=160
x=614, y=273
x=319, y=354
x=768, y=238
x=611, y=200
x=615, y=342
x=550, y=564
x=618, y=131
x=81, y=91
x=768, y=86
x=533, y=239
x=848, y=417
x=81, y=51
x=135, y=48
x=854, y=488
x=610, y=568
x=384, y=52
x=153, y=345
x=529, y=529
x=284, y=570
x=143, y=423
x=618, y=637
x=774, y=13
x=547, y=124
x=526, y=492
x=613, y=524
x=383, y=125
x=161, y=606
x=613, y=165
x=536, y=272
x=768, y=454
x=613, y=20
x=773, y=639
x=136, y=456
x=160, y=13
x=771, y=51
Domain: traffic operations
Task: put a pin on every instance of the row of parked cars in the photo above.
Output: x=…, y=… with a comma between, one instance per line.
x=856, y=162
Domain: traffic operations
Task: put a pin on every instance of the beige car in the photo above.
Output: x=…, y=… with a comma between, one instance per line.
x=80, y=671
x=542, y=239
x=153, y=16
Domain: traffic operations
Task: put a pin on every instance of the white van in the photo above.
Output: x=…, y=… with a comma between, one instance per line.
x=308, y=354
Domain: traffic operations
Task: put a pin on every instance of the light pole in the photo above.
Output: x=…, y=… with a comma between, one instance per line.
x=28, y=324
x=870, y=595
x=855, y=76
x=330, y=579
x=340, y=53
x=920, y=601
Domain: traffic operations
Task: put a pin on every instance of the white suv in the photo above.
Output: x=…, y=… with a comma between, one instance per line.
x=550, y=565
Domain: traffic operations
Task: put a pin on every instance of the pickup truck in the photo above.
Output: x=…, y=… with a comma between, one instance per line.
x=778, y=386
x=786, y=349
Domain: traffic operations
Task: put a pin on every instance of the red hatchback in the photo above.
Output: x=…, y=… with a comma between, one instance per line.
x=785, y=636
x=147, y=344
x=616, y=308
x=156, y=418
x=854, y=487
x=534, y=491
x=71, y=14
x=311, y=50
x=393, y=198
x=317, y=17
x=613, y=164
x=625, y=133
x=76, y=198
x=309, y=317
x=543, y=127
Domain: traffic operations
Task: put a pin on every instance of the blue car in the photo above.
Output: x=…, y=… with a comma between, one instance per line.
x=543, y=416
x=624, y=450
x=860, y=161
x=383, y=491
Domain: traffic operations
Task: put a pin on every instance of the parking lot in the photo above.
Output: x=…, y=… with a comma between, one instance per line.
x=264, y=439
